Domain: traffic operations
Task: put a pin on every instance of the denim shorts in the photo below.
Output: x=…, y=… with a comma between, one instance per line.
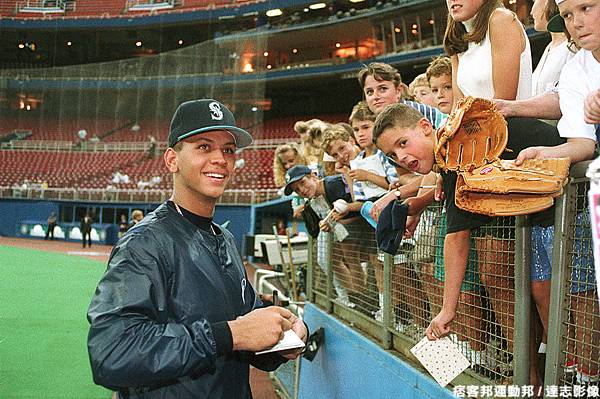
x=583, y=275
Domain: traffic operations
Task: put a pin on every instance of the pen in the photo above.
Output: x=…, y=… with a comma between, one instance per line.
x=275, y=298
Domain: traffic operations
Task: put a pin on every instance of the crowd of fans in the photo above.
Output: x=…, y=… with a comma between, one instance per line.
x=349, y=171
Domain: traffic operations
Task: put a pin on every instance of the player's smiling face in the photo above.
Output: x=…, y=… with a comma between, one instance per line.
x=205, y=164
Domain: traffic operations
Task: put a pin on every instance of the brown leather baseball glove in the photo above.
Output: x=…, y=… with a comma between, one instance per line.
x=475, y=134
x=471, y=143
x=504, y=189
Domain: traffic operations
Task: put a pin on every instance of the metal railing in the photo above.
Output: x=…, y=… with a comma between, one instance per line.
x=393, y=299
x=62, y=145
x=230, y=197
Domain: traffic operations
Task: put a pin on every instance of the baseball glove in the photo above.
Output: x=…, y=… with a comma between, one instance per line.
x=475, y=134
x=504, y=189
x=471, y=143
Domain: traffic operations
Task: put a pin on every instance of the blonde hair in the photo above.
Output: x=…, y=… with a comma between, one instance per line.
x=334, y=133
x=311, y=149
x=420, y=80
x=137, y=213
x=278, y=169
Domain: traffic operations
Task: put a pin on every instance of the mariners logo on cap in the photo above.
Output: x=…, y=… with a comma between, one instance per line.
x=215, y=111
x=288, y=177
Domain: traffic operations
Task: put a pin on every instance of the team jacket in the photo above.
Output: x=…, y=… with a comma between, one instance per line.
x=158, y=316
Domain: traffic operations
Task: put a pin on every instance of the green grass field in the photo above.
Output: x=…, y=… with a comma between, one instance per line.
x=43, y=328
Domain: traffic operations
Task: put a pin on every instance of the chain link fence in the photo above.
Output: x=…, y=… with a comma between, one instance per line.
x=393, y=299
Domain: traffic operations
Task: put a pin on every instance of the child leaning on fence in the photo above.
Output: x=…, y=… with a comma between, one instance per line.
x=408, y=138
x=321, y=193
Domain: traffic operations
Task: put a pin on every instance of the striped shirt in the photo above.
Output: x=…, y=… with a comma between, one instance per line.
x=435, y=116
x=391, y=175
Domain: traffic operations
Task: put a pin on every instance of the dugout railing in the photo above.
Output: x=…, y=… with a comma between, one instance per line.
x=392, y=299
x=147, y=196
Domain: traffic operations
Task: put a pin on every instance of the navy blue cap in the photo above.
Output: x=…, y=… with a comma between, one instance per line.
x=556, y=24
x=293, y=175
x=391, y=226
x=200, y=116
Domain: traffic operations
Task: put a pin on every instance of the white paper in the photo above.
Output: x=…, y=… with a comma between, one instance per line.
x=441, y=358
x=320, y=206
x=290, y=340
x=370, y=164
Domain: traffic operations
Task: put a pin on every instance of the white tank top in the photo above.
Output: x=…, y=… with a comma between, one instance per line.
x=474, y=75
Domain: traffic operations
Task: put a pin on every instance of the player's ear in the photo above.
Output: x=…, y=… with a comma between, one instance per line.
x=170, y=158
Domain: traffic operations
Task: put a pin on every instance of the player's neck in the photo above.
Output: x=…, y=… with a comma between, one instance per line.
x=204, y=207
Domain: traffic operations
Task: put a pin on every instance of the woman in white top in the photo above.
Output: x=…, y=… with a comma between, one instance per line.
x=491, y=58
x=556, y=54
x=489, y=51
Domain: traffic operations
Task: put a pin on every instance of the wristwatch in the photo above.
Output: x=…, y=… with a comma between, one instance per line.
x=398, y=194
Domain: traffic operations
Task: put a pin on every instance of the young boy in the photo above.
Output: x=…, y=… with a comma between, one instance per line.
x=409, y=139
x=420, y=90
x=322, y=193
x=439, y=76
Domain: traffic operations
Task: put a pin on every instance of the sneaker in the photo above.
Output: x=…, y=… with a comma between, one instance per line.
x=570, y=364
x=346, y=302
x=378, y=315
x=401, y=328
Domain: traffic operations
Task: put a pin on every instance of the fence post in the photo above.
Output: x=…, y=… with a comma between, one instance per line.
x=558, y=288
x=522, y=310
x=329, y=260
x=386, y=337
x=309, y=270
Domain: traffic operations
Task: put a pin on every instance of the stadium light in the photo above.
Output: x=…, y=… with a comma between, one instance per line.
x=274, y=13
x=69, y=43
x=21, y=45
x=356, y=1
x=138, y=43
x=180, y=42
x=317, y=6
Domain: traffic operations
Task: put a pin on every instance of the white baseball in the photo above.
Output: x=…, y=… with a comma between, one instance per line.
x=340, y=206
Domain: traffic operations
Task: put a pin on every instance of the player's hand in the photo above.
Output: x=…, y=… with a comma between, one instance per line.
x=300, y=329
x=591, y=107
x=440, y=325
x=260, y=329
